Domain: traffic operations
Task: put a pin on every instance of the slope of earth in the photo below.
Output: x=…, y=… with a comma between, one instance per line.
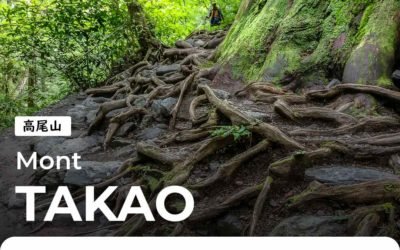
x=259, y=160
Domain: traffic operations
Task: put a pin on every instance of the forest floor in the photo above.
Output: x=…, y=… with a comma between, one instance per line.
x=259, y=160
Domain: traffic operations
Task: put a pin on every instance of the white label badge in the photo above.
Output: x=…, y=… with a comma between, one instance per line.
x=43, y=126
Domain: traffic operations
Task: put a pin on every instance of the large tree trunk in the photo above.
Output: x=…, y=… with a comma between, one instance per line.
x=149, y=45
x=351, y=40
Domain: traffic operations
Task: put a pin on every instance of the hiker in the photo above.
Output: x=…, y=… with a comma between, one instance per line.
x=215, y=15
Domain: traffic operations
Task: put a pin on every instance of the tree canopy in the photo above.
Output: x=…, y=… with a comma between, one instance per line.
x=50, y=48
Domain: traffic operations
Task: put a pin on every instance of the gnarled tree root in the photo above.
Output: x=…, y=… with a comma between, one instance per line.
x=387, y=94
x=104, y=109
x=367, y=192
x=226, y=170
x=295, y=114
x=238, y=118
x=232, y=201
x=365, y=124
x=259, y=205
x=295, y=165
x=118, y=120
x=365, y=220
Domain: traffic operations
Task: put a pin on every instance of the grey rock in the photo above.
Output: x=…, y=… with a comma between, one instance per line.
x=190, y=41
x=76, y=145
x=15, y=200
x=311, y=226
x=334, y=83
x=150, y=133
x=222, y=94
x=368, y=63
x=147, y=73
x=78, y=114
x=163, y=107
x=256, y=115
x=90, y=103
x=140, y=101
x=125, y=152
x=91, y=173
x=229, y=225
x=213, y=166
x=203, y=81
x=90, y=116
x=53, y=178
x=45, y=144
x=347, y=175
x=199, y=43
x=396, y=78
x=165, y=69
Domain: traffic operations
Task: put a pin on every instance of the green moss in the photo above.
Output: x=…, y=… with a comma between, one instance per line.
x=273, y=38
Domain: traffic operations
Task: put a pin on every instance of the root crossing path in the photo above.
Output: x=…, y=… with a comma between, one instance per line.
x=259, y=159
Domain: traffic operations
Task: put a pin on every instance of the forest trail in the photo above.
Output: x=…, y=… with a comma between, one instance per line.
x=258, y=159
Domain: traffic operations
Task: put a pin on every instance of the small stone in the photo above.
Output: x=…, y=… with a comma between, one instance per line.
x=213, y=166
x=273, y=203
x=333, y=83
x=256, y=115
x=311, y=226
x=396, y=78
x=91, y=116
x=222, y=94
x=199, y=43
x=150, y=133
x=347, y=175
x=229, y=225
x=78, y=114
x=163, y=108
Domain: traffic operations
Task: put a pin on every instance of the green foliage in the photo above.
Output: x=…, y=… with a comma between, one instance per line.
x=51, y=48
x=238, y=132
x=174, y=20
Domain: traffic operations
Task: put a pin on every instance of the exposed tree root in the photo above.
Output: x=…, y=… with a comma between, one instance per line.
x=184, y=86
x=117, y=121
x=365, y=220
x=253, y=88
x=152, y=151
x=225, y=171
x=387, y=94
x=367, y=192
x=295, y=165
x=176, y=52
x=296, y=114
x=193, y=105
x=238, y=118
x=104, y=109
x=230, y=202
x=259, y=205
x=180, y=173
x=381, y=140
x=365, y=124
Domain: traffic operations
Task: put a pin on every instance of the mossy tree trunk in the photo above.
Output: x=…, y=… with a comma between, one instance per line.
x=353, y=40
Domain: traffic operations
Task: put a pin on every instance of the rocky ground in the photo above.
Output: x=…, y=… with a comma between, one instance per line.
x=317, y=161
